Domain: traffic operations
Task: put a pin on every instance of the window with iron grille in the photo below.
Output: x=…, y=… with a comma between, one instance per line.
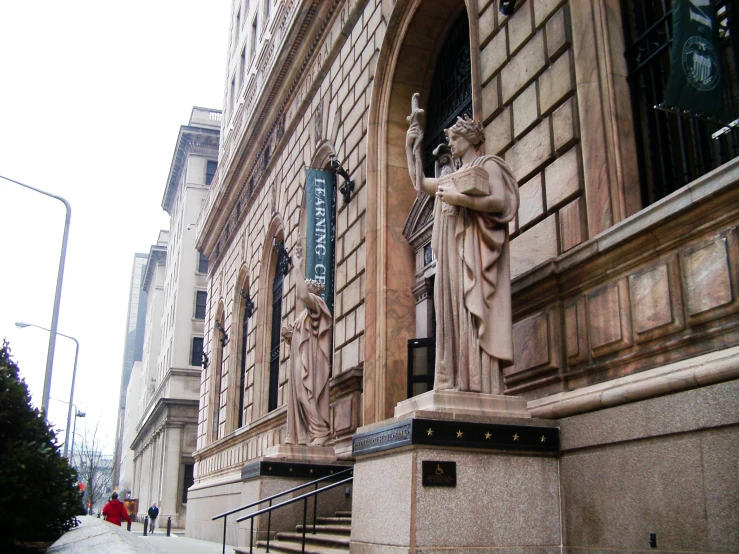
x=242, y=379
x=276, y=339
x=674, y=149
x=451, y=88
x=201, y=301
x=218, y=380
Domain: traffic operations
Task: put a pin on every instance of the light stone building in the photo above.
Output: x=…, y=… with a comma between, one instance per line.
x=624, y=263
x=175, y=276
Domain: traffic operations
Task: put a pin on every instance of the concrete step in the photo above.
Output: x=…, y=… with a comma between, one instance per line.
x=319, y=539
x=334, y=520
x=290, y=547
x=344, y=514
x=331, y=528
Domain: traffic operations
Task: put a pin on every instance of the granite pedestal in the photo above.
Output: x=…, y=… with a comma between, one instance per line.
x=504, y=494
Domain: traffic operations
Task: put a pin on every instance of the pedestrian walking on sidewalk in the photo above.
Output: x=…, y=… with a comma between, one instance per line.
x=153, y=514
x=114, y=511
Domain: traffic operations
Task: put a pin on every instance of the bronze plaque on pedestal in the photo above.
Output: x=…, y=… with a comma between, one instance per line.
x=439, y=474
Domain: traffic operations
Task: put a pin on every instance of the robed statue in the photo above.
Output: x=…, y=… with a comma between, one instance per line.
x=476, y=196
x=309, y=337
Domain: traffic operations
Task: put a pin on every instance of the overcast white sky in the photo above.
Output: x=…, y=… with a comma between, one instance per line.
x=92, y=94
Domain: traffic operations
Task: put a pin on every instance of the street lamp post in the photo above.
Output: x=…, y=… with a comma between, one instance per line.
x=57, y=296
x=74, y=432
x=22, y=325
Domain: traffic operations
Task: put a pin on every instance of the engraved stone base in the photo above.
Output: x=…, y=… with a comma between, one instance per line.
x=500, y=502
x=464, y=403
x=323, y=454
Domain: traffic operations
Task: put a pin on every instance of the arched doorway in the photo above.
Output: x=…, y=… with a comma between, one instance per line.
x=406, y=65
x=449, y=97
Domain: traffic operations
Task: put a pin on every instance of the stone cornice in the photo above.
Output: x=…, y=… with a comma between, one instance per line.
x=243, y=174
x=190, y=140
x=157, y=257
x=692, y=373
x=175, y=411
x=171, y=372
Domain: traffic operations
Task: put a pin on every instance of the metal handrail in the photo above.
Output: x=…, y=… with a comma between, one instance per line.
x=304, y=498
x=269, y=499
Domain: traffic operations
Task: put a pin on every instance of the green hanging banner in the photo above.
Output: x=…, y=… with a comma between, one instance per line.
x=694, y=83
x=319, y=240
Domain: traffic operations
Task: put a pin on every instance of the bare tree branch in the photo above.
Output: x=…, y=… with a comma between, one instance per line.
x=94, y=468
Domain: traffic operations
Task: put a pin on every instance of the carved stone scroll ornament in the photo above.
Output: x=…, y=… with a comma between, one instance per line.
x=472, y=289
x=309, y=339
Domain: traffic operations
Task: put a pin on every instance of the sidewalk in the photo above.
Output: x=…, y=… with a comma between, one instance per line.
x=177, y=542
x=96, y=536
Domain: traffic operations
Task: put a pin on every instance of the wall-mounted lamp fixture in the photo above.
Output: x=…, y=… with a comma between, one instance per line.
x=190, y=226
x=204, y=360
x=507, y=7
x=224, y=335
x=285, y=261
x=249, y=303
x=348, y=187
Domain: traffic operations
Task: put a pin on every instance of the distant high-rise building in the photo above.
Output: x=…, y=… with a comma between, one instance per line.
x=133, y=350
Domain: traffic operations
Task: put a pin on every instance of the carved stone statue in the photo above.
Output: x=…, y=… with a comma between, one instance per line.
x=472, y=289
x=309, y=337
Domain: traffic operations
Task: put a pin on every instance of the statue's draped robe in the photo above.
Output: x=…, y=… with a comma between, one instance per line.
x=472, y=289
x=308, y=403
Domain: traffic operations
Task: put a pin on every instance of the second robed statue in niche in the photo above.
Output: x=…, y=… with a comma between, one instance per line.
x=309, y=337
x=472, y=288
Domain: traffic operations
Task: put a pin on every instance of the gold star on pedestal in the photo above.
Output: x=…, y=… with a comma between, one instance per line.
x=269, y=468
x=291, y=470
x=515, y=436
x=429, y=432
x=543, y=438
x=311, y=470
x=459, y=434
x=487, y=436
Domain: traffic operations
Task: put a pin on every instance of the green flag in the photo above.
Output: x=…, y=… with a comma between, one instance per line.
x=694, y=83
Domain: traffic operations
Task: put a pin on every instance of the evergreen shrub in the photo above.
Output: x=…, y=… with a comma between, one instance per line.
x=39, y=496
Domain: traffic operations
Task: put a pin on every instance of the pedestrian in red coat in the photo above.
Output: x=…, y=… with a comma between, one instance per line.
x=114, y=511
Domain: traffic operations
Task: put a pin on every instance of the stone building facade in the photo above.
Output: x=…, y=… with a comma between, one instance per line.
x=166, y=426
x=624, y=286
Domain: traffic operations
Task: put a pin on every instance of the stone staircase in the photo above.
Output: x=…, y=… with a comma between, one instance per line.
x=332, y=537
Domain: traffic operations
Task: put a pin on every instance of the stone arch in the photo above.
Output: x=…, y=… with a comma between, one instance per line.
x=416, y=29
x=263, y=296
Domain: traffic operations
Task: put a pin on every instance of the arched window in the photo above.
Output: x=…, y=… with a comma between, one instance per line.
x=274, y=353
x=218, y=376
x=450, y=95
x=246, y=311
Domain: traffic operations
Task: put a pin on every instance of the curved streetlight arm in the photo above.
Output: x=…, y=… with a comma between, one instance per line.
x=57, y=296
x=20, y=324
